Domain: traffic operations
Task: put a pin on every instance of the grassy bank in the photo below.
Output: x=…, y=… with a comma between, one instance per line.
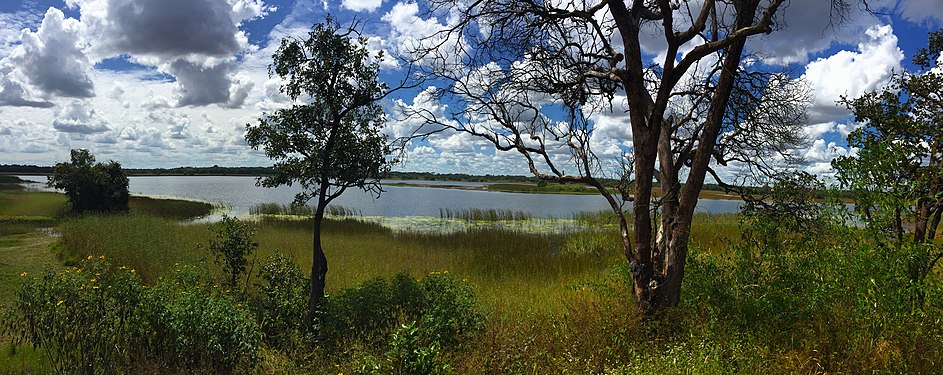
x=756, y=300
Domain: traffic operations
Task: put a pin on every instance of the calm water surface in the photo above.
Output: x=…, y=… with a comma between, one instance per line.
x=237, y=194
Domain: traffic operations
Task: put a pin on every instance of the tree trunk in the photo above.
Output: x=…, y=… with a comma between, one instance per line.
x=664, y=288
x=318, y=264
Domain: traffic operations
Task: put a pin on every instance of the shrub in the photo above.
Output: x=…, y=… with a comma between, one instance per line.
x=83, y=317
x=95, y=318
x=409, y=355
x=91, y=186
x=450, y=313
x=193, y=323
x=364, y=312
x=281, y=303
x=443, y=308
x=231, y=245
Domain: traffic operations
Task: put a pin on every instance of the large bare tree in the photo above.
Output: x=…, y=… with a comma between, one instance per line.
x=530, y=75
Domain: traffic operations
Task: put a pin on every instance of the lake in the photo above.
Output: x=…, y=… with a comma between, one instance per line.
x=237, y=194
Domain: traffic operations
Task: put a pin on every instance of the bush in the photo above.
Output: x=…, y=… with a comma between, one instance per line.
x=282, y=301
x=232, y=244
x=193, y=323
x=408, y=354
x=95, y=318
x=450, y=315
x=84, y=317
x=444, y=310
x=91, y=186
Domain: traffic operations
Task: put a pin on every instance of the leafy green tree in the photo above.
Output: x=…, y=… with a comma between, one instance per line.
x=91, y=186
x=897, y=175
x=329, y=139
x=231, y=245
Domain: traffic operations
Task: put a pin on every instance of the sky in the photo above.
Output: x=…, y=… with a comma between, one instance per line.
x=166, y=83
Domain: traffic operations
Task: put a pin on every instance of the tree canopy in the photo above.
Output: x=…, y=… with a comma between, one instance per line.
x=91, y=186
x=897, y=175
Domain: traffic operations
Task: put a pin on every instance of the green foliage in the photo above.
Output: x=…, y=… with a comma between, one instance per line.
x=897, y=174
x=191, y=323
x=836, y=299
x=232, y=244
x=91, y=186
x=335, y=138
x=95, y=318
x=281, y=304
x=408, y=355
x=791, y=211
x=85, y=318
x=444, y=309
x=450, y=315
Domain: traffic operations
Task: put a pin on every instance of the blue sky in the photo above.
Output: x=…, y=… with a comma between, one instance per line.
x=164, y=83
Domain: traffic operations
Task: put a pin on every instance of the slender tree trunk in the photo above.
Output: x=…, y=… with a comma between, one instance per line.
x=318, y=263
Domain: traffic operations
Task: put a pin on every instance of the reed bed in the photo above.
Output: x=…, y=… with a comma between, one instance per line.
x=477, y=214
x=287, y=209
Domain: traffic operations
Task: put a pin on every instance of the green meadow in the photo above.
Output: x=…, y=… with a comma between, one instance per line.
x=550, y=302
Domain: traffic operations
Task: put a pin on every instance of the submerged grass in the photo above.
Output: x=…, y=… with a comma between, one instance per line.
x=478, y=214
x=287, y=209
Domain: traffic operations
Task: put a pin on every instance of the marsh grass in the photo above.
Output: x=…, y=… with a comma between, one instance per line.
x=514, y=271
x=176, y=209
x=21, y=203
x=561, y=302
x=11, y=183
x=9, y=179
x=152, y=245
x=286, y=209
x=477, y=214
x=546, y=189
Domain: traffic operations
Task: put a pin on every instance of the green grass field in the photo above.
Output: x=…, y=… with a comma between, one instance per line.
x=553, y=303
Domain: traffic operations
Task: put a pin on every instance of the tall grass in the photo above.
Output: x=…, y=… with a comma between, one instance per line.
x=18, y=203
x=177, y=209
x=478, y=214
x=285, y=209
x=151, y=245
x=563, y=302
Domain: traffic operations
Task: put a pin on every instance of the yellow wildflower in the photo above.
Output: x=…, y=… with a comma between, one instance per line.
x=94, y=286
x=89, y=257
x=23, y=274
x=93, y=280
x=101, y=257
x=132, y=270
x=60, y=302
